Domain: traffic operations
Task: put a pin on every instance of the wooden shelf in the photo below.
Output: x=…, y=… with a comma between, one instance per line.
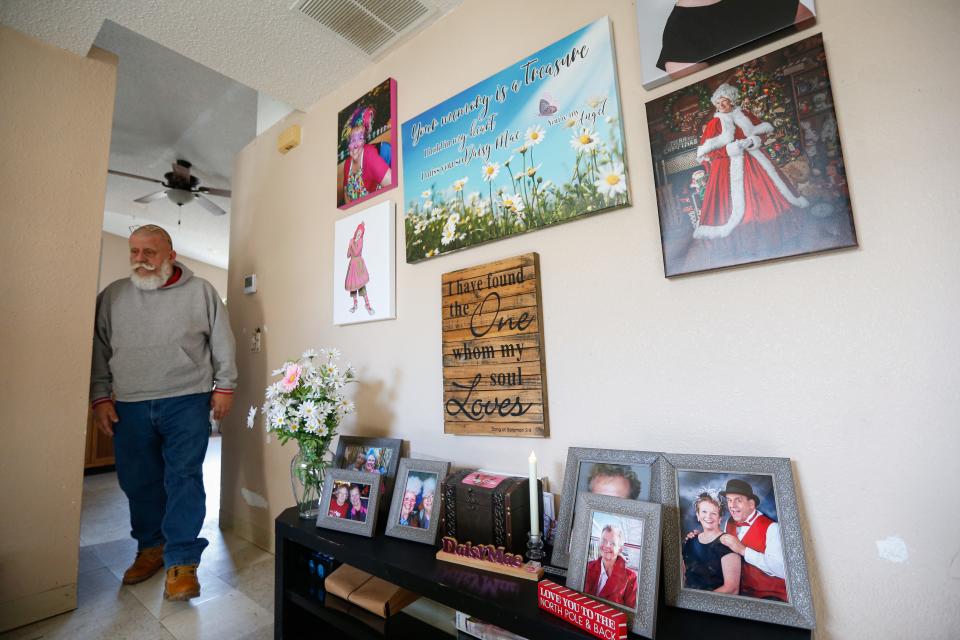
x=362, y=624
x=510, y=603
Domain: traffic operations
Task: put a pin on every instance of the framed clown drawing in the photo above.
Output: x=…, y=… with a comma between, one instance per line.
x=748, y=165
x=364, y=255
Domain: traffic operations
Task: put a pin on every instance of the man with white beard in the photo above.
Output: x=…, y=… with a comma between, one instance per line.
x=163, y=357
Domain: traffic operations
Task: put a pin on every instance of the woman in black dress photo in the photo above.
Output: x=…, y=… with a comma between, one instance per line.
x=698, y=30
x=707, y=563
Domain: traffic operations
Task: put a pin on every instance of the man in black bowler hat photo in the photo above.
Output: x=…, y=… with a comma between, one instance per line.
x=757, y=538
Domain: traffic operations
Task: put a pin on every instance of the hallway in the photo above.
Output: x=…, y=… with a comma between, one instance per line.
x=236, y=579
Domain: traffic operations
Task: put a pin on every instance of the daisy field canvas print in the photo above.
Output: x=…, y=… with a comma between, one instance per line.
x=537, y=144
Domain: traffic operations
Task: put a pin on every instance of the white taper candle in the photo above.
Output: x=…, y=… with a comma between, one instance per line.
x=534, y=495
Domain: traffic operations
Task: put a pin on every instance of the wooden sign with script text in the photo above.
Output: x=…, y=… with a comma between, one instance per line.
x=494, y=379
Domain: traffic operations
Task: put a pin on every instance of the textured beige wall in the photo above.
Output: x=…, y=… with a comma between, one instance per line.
x=55, y=114
x=845, y=362
x=115, y=264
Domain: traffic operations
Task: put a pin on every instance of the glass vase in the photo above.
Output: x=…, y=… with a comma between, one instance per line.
x=306, y=477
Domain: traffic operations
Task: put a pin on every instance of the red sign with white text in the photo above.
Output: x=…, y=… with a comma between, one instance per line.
x=596, y=618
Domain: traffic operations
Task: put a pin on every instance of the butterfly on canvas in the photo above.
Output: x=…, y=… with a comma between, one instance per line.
x=546, y=108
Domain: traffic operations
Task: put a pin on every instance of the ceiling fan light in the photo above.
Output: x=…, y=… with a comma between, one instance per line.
x=180, y=197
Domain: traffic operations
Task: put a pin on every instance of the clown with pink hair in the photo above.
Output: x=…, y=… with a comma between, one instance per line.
x=364, y=171
x=357, y=274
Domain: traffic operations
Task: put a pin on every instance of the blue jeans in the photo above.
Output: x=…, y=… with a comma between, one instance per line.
x=159, y=446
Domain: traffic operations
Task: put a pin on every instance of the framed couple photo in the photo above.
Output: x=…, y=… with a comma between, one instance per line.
x=350, y=501
x=380, y=455
x=370, y=455
x=415, y=508
x=732, y=540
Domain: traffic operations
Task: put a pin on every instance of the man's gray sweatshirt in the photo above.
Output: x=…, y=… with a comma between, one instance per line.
x=173, y=341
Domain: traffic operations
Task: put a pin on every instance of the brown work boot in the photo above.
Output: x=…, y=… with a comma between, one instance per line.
x=147, y=563
x=182, y=583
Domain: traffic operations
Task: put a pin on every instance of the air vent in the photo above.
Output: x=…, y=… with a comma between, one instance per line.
x=369, y=25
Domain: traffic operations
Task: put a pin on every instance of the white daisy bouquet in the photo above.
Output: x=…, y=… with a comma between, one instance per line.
x=307, y=404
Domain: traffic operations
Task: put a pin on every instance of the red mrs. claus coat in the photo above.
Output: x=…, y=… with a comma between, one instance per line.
x=621, y=586
x=743, y=184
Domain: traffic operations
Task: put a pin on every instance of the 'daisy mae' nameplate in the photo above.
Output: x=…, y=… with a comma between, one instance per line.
x=488, y=558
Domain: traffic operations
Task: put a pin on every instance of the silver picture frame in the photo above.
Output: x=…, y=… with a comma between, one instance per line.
x=364, y=528
x=390, y=448
x=798, y=611
x=576, y=457
x=423, y=535
x=642, y=618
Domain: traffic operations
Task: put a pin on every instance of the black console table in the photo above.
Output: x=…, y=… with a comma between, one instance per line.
x=510, y=603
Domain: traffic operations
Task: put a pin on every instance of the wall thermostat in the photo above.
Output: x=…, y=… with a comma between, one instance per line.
x=250, y=283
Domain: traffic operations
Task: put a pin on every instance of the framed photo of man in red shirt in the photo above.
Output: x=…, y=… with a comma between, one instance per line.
x=634, y=475
x=615, y=554
x=735, y=544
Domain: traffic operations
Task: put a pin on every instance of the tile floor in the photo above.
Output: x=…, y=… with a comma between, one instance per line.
x=236, y=579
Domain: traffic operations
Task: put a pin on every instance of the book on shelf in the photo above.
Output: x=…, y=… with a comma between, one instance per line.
x=368, y=592
x=483, y=630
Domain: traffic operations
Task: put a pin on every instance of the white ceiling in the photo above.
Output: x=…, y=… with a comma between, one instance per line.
x=169, y=107
x=263, y=44
x=187, y=88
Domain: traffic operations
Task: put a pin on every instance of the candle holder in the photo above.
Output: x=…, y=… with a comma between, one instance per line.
x=535, y=547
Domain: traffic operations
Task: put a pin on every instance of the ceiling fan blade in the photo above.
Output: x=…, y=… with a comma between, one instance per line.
x=152, y=197
x=133, y=175
x=224, y=193
x=210, y=206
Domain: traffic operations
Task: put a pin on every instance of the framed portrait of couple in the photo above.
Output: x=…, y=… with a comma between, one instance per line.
x=415, y=508
x=380, y=455
x=350, y=501
x=732, y=539
x=731, y=533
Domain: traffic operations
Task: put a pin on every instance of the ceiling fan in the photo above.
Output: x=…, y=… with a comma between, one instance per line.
x=180, y=187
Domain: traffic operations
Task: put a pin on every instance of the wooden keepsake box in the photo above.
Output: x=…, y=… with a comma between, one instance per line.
x=484, y=508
